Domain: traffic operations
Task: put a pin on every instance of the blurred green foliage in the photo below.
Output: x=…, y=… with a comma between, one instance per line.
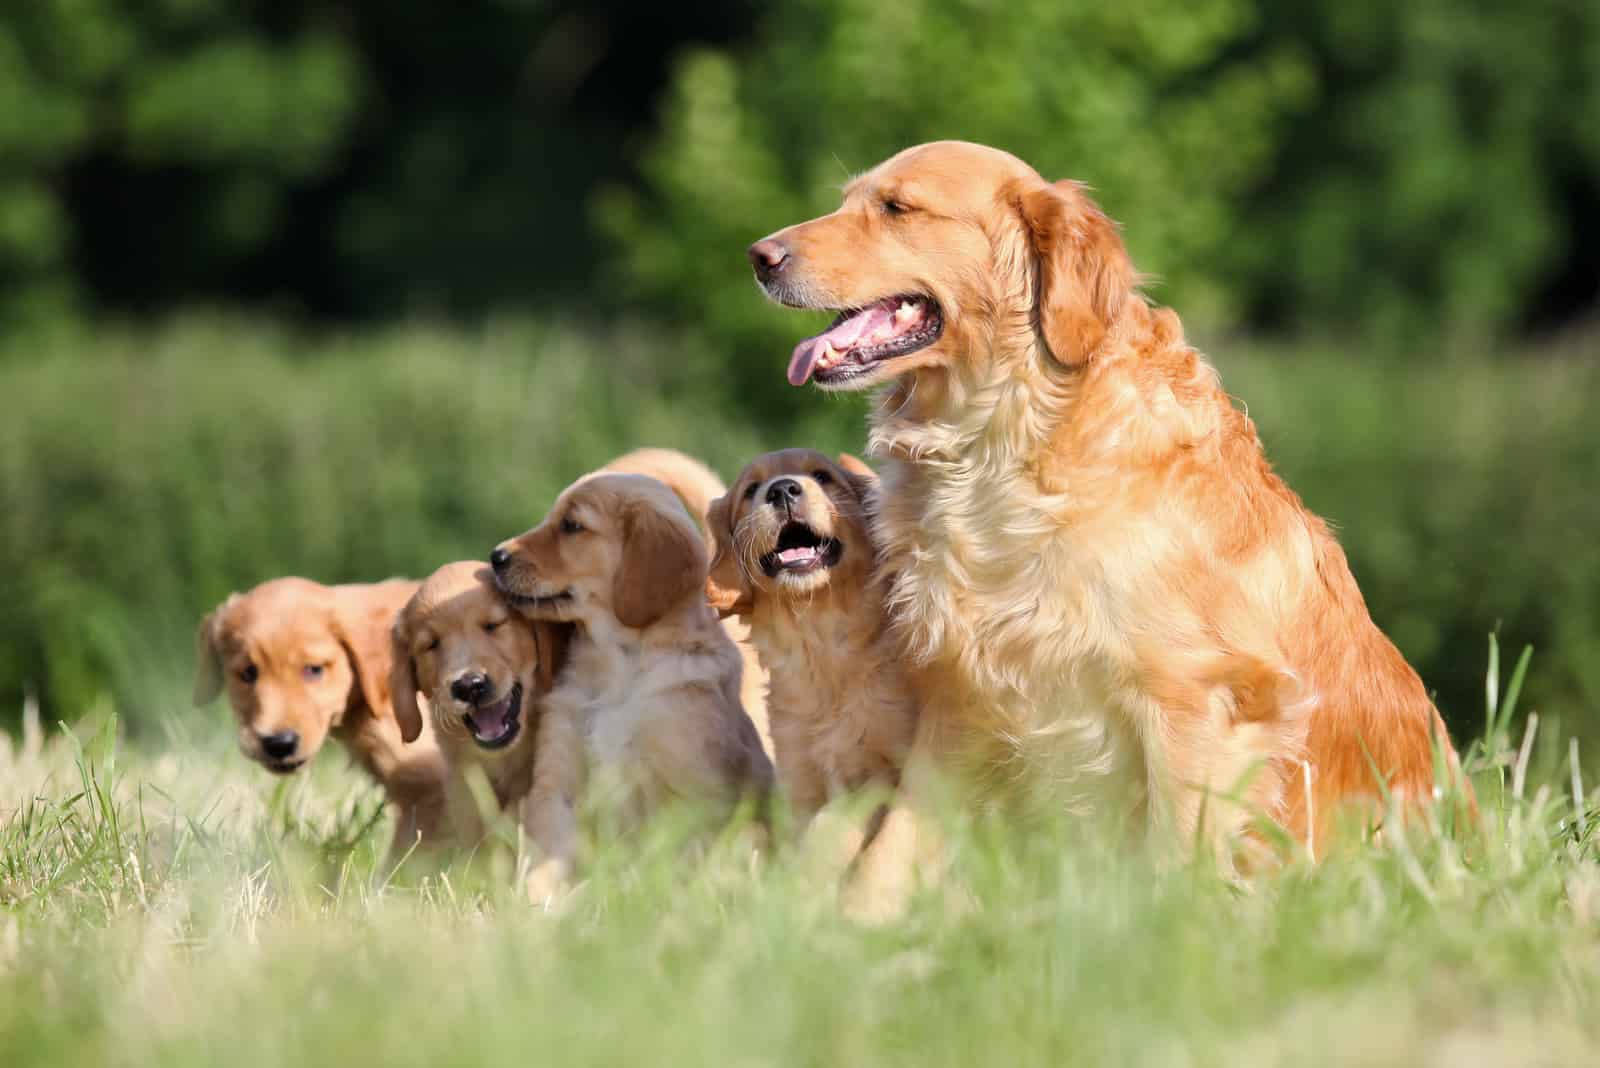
x=1135, y=97
x=1399, y=177
x=171, y=85
x=147, y=474
x=1356, y=168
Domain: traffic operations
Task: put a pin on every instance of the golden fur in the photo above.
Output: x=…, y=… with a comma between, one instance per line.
x=1101, y=583
x=649, y=702
x=842, y=709
x=457, y=630
x=697, y=486
x=297, y=656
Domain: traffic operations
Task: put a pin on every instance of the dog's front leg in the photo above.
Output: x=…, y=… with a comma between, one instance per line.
x=549, y=812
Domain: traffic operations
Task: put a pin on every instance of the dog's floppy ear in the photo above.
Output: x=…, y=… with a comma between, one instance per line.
x=726, y=586
x=863, y=479
x=663, y=560
x=551, y=640
x=208, y=658
x=1085, y=275
x=361, y=622
x=403, y=682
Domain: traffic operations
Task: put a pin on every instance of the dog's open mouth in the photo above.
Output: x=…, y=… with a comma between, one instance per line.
x=495, y=726
x=283, y=767
x=861, y=337
x=800, y=550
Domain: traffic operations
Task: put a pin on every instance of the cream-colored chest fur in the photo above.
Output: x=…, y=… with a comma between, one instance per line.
x=1018, y=632
x=657, y=719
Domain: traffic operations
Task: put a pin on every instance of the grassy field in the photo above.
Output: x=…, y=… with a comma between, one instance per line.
x=163, y=902
x=185, y=909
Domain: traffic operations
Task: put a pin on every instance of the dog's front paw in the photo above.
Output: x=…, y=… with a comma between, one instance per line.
x=548, y=884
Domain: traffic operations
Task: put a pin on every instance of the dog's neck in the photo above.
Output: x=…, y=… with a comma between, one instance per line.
x=622, y=645
x=841, y=617
x=989, y=418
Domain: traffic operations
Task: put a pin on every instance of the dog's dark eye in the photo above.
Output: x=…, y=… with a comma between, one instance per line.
x=248, y=674
x=571, y=526
x=894, y=207
x=433, y=644
x=312, y=671
x=491, y=627
x=750, y=491
x=823, y=478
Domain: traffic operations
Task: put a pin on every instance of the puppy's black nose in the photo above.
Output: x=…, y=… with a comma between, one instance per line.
x=470, y=688
x=499, y=559
x=768, y=257
x=783, y=490
x=280, y=746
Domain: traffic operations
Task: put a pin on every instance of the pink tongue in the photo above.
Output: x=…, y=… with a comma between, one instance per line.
x=844, y=337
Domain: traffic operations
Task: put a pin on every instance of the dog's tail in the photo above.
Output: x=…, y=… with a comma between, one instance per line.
x=695, y=484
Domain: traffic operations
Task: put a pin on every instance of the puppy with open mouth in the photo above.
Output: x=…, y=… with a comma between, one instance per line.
x=484, y=670
x=795, y=558
x=649, y=703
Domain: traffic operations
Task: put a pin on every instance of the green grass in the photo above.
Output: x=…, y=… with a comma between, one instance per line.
x=182, y=908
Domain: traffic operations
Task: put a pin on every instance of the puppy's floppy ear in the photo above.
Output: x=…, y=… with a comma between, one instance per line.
x=855, y=465
x=403, y=682
x=863, y=479
x=361, y=621
x=663, y=560
x=208, y=658
x=726, y=587
x=551, y=640
x=1085, y=275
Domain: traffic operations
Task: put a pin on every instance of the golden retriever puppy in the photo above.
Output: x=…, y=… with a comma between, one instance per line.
x=484, y=671
x=697, y=486
x=795, y=558
x=1096, y=574
x=649, y=701
x=301, y=662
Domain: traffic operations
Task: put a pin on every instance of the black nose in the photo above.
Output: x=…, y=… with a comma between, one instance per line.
x=499, y=559
x=280, y=746
x=768, y=257
x=783, y=490
x=470, y=688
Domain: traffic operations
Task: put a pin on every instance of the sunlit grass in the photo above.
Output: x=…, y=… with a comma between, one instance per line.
x=182, y=908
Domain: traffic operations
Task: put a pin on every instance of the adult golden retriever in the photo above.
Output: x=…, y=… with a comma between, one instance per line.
x=1100, y=580
x=302, y=662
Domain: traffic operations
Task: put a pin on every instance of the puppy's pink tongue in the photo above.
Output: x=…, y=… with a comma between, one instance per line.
x=804, y=360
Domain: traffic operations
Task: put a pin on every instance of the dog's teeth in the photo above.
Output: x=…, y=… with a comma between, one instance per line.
x=905, y=311
x=829, y=354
